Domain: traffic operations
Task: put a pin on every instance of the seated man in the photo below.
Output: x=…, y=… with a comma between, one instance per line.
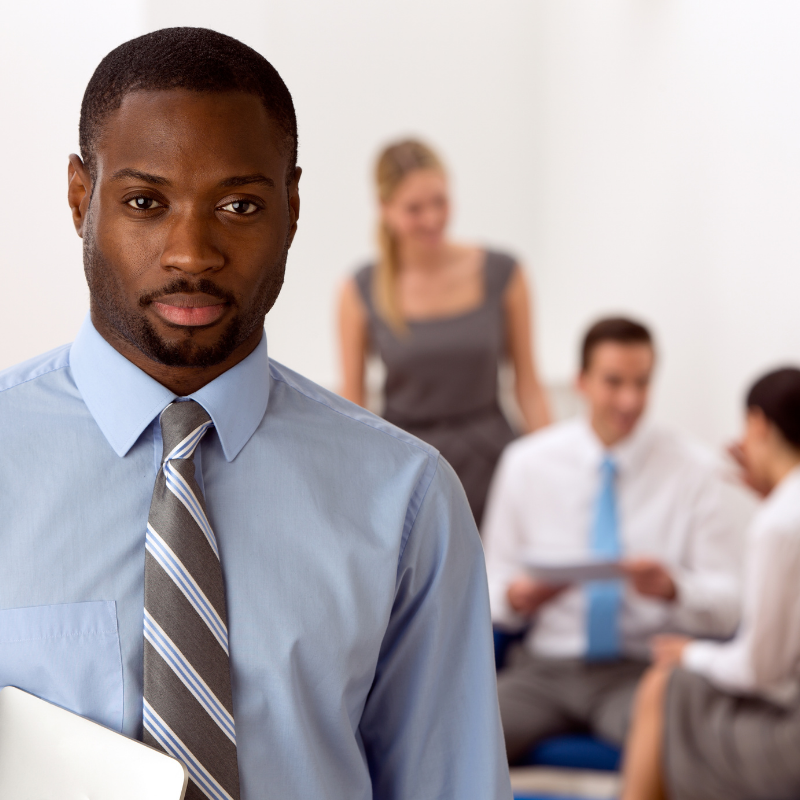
x=608, y=486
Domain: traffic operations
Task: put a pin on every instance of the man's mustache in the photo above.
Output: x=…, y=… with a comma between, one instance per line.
x=184, y=286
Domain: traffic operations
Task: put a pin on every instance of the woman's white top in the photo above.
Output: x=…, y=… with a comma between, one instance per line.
x=764, y=656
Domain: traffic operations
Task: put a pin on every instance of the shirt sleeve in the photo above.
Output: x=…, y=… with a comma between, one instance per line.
x=762, y=659
x=502, y=543
x=707, y=581
x=431, y=724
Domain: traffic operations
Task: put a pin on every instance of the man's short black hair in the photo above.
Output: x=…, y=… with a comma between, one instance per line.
x=613, y=329
x=777, y=394
x=196, y=59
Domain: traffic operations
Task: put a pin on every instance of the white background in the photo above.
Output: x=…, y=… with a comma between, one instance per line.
x=640, y=156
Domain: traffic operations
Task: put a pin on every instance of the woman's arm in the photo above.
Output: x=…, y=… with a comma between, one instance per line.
x=352, y=342
x=530, y=394
x=762, y=658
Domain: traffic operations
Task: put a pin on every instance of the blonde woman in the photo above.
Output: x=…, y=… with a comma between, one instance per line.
x=442, y=316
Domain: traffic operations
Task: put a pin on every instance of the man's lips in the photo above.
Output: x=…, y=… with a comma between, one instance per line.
x=189, y=309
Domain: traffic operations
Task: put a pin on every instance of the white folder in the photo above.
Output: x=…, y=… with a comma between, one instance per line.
x=47, y=753
x=556, y=573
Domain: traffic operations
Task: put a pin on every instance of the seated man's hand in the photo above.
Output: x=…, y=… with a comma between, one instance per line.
x=526, y=596
x=668, y=649
x=650, y=578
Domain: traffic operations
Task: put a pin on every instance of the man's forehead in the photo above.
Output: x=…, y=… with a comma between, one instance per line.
x=175, y=98
x=172, y=129
x=611, y=356
x=623, y=349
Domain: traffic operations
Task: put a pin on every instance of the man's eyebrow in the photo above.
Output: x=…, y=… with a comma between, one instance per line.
x=247, y=180
x=139, y=176
x=158, y=180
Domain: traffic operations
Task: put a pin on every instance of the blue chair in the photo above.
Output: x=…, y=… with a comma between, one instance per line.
x=575, y=751
x=502, y=642
x=571, y=751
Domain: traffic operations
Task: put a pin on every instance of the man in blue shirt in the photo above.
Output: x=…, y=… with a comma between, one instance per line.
x=199, y=546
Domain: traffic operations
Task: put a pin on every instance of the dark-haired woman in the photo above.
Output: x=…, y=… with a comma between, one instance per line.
x=442, y=316
x=721, y=720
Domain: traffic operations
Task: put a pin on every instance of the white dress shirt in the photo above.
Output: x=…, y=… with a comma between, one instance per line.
x=542, y=505
x=764, y=657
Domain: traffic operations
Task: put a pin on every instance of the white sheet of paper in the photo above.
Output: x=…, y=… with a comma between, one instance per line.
x=574, y=572
x=47, y=753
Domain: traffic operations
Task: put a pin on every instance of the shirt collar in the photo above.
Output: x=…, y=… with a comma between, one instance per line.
x=626, y=454
x=124, y=400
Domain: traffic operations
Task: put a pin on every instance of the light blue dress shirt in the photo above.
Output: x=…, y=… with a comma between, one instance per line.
x=361, y=646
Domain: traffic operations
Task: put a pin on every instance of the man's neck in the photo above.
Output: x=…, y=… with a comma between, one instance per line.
x=182, y=381
x=608, y=438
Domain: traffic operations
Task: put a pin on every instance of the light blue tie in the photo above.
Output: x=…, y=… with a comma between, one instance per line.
x=604, y=598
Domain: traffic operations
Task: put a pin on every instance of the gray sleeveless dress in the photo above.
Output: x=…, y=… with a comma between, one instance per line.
x=441, y=379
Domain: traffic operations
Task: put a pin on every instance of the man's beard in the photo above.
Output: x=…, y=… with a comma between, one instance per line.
x=107, y=298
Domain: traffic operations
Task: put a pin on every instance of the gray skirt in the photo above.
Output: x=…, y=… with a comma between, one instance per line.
x=721, y=747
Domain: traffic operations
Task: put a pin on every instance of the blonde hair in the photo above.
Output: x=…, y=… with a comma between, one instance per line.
x=394, y=164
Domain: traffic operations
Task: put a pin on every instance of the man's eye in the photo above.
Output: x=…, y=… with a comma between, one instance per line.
x=144, y=203
x=240, y=207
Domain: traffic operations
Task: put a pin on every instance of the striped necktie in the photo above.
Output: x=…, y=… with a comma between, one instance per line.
x=604, y=598
x=188, y=711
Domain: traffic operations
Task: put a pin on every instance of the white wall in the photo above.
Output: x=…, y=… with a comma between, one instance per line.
x=638, y=155
x=668, y=171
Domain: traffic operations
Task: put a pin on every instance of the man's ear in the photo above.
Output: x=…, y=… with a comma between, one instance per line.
x=293, y=191
x=79, y=191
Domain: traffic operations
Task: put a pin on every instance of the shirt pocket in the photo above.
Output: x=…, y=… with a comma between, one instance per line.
x=67, y=654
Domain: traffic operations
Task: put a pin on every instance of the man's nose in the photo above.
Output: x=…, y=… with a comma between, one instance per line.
x=631, y=398
x=190, y=245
